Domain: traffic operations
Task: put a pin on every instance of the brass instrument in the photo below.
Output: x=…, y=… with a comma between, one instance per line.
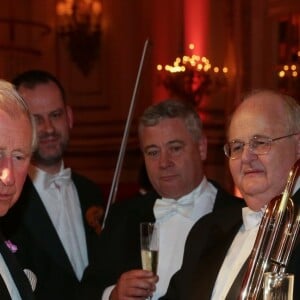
x=275, y=239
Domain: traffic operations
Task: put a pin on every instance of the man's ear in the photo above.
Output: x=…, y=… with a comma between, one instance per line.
x=69, y=112
x=202, y=146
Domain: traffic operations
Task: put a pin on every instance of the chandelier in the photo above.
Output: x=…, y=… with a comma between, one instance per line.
x=191, y=77
x=79, y=22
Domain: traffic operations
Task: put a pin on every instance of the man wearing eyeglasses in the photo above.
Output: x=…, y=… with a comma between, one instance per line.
x=263, y=145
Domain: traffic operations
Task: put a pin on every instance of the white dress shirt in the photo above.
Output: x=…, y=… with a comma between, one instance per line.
x=9, y=282
x=63, y=207
x=239, y=251
x=173, y=230
x=237, y=254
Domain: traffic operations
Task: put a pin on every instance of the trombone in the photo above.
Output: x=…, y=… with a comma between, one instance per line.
x=275, y=240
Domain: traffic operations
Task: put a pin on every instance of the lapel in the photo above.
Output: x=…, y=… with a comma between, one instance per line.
x=4, y=294
x=121, y=233
x=17, y=273
x=209, y=241
x=222, y=233
x=84, y=205
x=225, y=232
x=237, y=284
x=36, y=214
x=205, y=250
x=143, y=212
x=147, y=214
x=89, y=195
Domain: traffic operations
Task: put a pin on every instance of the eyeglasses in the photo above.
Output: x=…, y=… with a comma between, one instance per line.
x=258, y=145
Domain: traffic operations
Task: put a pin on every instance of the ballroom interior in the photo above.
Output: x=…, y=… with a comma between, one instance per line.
x=113, y=55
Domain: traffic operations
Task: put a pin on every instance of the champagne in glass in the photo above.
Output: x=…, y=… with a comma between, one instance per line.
x=150, y=260
x=149, y=237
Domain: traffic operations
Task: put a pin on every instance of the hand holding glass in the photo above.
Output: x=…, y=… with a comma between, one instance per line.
x=149, y=237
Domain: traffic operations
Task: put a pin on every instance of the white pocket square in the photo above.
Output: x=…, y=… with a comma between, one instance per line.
x=31, y=277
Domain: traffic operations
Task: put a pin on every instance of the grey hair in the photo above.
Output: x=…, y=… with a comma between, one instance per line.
x=14, y=105
x=169, y=109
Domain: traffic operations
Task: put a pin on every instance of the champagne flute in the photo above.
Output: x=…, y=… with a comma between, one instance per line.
x=149, y=237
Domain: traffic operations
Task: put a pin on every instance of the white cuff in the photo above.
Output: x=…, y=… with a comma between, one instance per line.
x=107, y=292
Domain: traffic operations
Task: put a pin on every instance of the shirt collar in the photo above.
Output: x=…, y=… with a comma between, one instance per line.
x=195, y=193
x=251, y=218
x=40, y=177
x=165, y=208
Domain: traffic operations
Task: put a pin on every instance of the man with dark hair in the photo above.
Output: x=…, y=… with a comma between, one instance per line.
x=53, y=235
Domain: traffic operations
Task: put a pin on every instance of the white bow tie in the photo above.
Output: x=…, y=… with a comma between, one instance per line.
x=168, y=207
x=251, y=218
x=62, y=178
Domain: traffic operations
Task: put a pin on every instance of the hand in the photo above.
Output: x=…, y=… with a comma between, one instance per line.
x=134, y=284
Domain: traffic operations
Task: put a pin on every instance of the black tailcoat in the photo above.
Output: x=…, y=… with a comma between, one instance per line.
x=29, y=226
x=205, y=251
x=119, y=249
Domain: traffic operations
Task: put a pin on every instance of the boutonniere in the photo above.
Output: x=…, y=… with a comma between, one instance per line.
x=12, y=247
x=94, y=217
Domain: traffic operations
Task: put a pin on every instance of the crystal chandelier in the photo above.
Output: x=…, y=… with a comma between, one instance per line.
x=191, y=77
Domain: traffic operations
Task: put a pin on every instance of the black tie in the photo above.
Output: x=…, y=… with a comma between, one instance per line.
x=235, y=289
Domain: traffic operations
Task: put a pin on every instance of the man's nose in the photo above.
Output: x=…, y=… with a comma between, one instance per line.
x=7, y=173
x=47, y=125
x=248, y=153
x=165, y=159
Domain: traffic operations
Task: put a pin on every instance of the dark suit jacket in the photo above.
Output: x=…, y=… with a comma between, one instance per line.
x=205, y=250
x=120, y=246
x=17, y=274
x=39, y=246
